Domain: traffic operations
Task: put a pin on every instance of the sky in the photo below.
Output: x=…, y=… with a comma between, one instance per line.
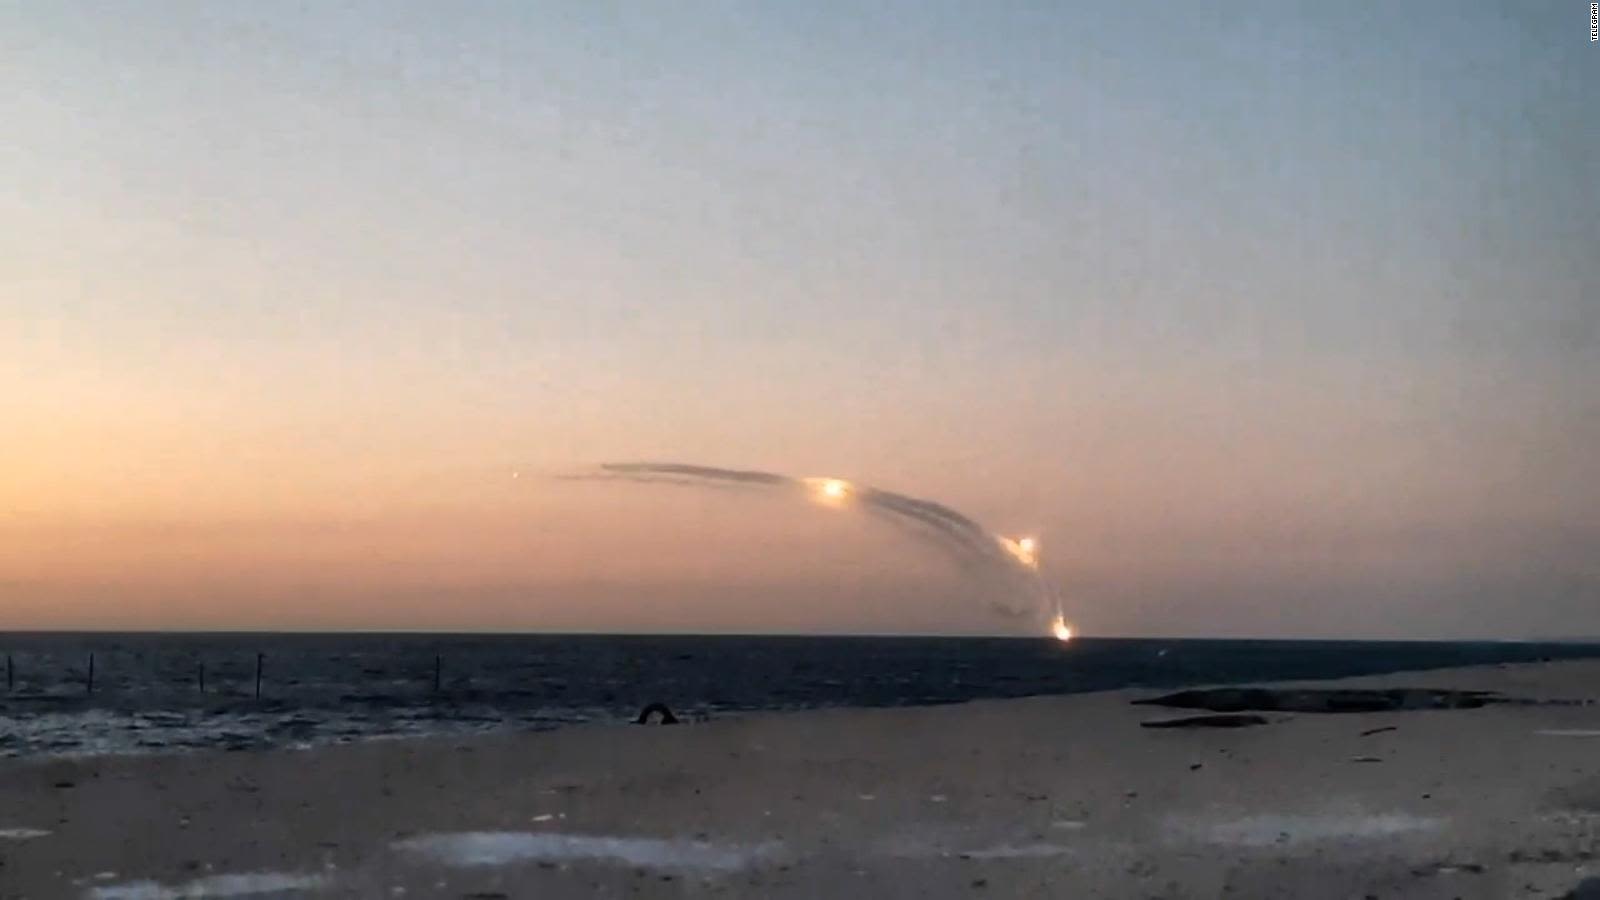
x=1268, y=319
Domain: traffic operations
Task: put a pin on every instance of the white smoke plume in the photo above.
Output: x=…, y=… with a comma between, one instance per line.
x=1007, y=568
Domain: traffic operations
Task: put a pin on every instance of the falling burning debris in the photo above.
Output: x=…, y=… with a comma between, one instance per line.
x=1024, y=550
x=1011, y=564
x=1060, y=628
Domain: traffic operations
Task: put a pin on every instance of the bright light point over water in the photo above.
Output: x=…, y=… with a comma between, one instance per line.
x=833, y=487
x=1060, y=628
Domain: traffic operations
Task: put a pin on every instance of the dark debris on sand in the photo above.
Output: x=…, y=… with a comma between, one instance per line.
x=1222, y=721
x=1311, y=700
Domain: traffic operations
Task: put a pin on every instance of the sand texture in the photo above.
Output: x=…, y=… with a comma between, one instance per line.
x=1045, y=797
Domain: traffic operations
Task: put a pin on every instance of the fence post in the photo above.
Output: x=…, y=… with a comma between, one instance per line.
x=11, y=674
x=202, y=668
x=259, y=657
x=438, y=665
x=89, y=687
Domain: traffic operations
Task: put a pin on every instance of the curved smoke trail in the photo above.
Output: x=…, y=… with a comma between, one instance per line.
x=1010, y=566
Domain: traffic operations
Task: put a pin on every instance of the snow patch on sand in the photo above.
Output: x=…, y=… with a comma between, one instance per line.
x=944, y=843
x=241, y=885
x=22, y=834
x=1273, y=830
x=498, y=848
x=1022, y=851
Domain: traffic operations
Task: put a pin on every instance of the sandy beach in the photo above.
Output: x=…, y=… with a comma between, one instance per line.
x=1047, y=797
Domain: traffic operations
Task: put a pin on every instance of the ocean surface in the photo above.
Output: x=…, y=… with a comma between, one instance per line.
x=318, y=689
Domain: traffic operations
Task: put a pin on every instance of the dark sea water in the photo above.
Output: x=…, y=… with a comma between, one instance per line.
x=319, y=689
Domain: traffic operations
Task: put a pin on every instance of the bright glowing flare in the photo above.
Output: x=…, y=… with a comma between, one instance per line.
x=1060, y=628
x=1024, y=550
x=832, y=491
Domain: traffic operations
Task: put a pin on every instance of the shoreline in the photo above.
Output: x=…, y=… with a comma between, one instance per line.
x=1014, y=797
x=163, y=695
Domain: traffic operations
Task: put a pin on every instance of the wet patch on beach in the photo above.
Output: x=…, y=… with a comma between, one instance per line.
x=499, y=848
x=86, y=732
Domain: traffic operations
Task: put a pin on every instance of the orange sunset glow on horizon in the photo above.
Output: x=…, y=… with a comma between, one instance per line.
x=306, y=322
